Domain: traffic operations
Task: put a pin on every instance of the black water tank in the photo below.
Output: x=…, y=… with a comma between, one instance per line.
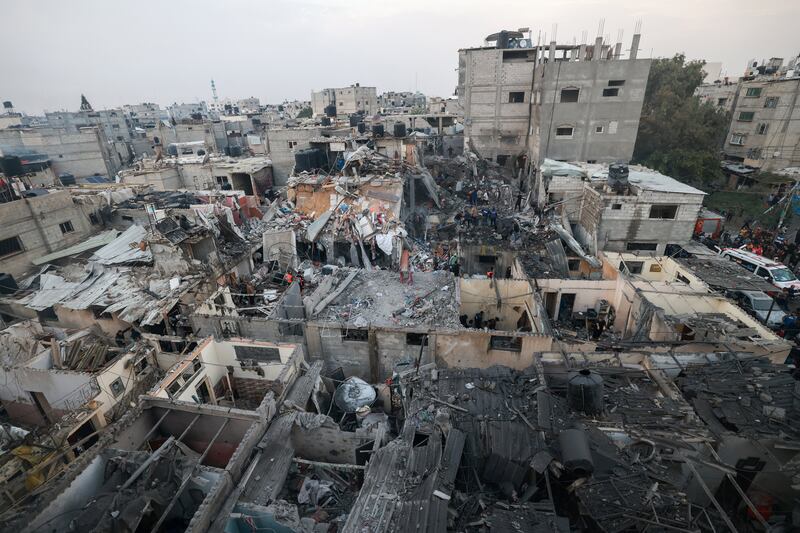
x=354, y=120
x=585, y=391
x=377, y=130
x=618, y=176
x=362, y=128
x=66, y=179
x=235, y=151
x=575, y=453
x=502, y=39
x=399, y=129
x=330, y=110
x=172, y=149
x=7, y=284
x=10, y=165
x=326, y=121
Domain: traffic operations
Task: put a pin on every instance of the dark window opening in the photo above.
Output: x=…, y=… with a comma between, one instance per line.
x=359, y=335
x=569, y=96
x=616, y=83
x=573, y=264
x=10, y=246
x=746, y=116
x=611, y=92
x=641, y=246
x=616, y=207
x=48, y=313
x=564, y=131
x=771, y=101
x=66, y=227
x=511, y=344
x=753, y=92
x=417, y=339
x=516, y=97
x=632, y=267
x=663, y=211
x=502, y=160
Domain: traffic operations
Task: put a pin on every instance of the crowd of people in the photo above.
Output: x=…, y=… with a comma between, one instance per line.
x=773, y=245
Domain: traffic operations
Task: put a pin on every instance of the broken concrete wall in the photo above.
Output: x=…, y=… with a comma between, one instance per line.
x=326, y=443
x=473, y=349
x=515, y=298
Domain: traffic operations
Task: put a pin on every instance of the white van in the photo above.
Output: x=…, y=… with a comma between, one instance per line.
x=776, y=273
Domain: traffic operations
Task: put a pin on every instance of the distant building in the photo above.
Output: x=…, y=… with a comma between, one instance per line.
x=348, y=100
x=765, y=126
x=199, y=110
x=401, y=102
x=574, y=102
x=145, y=115
x=720, y=94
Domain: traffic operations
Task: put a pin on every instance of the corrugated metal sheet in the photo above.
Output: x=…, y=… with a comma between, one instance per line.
x=96, y=241
x=125, y=249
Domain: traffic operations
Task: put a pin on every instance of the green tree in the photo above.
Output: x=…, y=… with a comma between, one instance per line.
x=679, y=135
x=304, y=113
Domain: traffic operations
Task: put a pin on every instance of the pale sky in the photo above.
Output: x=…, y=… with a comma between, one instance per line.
x=122, y=51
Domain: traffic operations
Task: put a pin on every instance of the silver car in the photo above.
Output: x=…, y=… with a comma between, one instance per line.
x=758, y=304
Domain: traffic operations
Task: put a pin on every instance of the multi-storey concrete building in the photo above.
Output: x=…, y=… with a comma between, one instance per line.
x=720, y=94
x=348, y=100
x=765, y=126
x=574, y=102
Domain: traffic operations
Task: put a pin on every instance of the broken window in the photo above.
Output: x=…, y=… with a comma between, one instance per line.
x=502, y=160
x=746, y=116
x=616, y=207
x=417, y=339
x=632, y=267
x=117, y=387
x=570, y=95
x=501, y=342
x=573, y=265
x=663, y=211
x=641, y=246
x=516, y=97
x=93, y=219
x=616, y=83
x=753, y=92
x=10, y=246
x=737, y=139
x=611, y=92
x=564, y=132
x=598, y=129
x=261, y=354
x=292, y=144
x=360, y=335
x=771, y=102
x=721, y=101
x=762, y=128
x=66, y=227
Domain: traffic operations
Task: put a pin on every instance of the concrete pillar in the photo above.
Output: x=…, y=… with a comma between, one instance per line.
x=635, y=46
x=572, y=53
x=598, y=49
x=582, y=53
x=617, y=50
x=552, y=55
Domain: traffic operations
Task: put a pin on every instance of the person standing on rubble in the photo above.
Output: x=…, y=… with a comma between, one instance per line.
x=474, y=214
x=518, y=204
x=288, y=278
x=473, y=197
x=493, y=217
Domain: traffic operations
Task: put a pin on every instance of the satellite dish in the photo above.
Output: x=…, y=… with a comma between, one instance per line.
x=524, y=43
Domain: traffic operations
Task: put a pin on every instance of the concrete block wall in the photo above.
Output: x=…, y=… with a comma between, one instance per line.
x=281, y=154
x=36, y=222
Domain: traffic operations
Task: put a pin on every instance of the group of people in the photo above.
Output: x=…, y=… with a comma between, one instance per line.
x=773, y=245
x=486, y=216
x=478, y=321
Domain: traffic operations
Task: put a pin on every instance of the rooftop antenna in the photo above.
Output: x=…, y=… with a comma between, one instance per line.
x=214, y=90
x=600, y=27
x=555, y=32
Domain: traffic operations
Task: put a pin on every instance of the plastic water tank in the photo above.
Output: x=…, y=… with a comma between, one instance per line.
x=377, y=130
x=618, y=176
x=354, y=120
x=330, y=110
x=585, y=391
x=326, y=121
x=362, y=128
x=11, y=165
x=399, y=129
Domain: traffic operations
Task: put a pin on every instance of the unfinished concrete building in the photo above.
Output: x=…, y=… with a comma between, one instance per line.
x=574, y=102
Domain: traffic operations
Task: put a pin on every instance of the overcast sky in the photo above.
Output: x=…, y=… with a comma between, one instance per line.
x=165, y=51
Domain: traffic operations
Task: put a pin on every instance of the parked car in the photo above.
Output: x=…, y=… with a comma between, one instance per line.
x=776, y=273
x=759, y=304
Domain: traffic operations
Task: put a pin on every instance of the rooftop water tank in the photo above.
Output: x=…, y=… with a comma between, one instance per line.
x=330, y=110
x=362, y=128
x=377, y=130
x=399, y=129
x=575, y=453
x=618, y=176
x=326, y=121
x=354, y=120
x=585, y=391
